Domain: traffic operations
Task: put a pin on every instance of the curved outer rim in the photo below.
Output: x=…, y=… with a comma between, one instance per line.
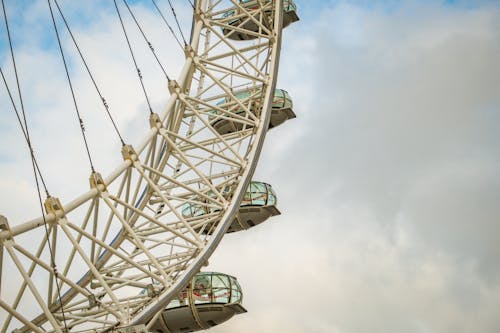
x=149, y=312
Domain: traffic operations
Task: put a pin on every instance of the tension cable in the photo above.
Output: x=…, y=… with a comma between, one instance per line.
x=168, y=25
x=146, y=39
x=36, y=169
x=139, y=74
x=103, y=100
x=80, y=120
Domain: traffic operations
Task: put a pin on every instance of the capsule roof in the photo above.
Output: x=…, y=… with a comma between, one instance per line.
x=288, y=5
x=281, y=109
x=242, y=28
x=257, y=194
x=281, y=98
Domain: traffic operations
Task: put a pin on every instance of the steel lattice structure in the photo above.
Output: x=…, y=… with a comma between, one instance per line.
x=127, y=233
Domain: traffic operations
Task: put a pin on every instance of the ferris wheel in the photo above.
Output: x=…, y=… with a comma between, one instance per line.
x=127, y=254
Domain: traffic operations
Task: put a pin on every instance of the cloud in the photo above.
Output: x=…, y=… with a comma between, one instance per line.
x=455, y=209
x=387, y=180
x=351, y=278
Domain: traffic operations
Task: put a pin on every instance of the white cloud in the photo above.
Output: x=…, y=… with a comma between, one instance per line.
x=387, y=180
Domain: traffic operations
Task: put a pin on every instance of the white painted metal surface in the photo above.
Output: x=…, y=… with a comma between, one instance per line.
x=128, y=232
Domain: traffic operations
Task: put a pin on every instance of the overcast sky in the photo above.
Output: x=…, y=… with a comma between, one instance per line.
x=388, y=180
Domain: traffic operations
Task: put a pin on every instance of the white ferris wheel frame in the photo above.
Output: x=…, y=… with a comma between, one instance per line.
x=147, y=180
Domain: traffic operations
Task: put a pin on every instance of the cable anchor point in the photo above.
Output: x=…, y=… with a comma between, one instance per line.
x=155, y=121
x=96, y=181
x=128, y=153
x=53, y=206
x=173, y=87
x=5, y=230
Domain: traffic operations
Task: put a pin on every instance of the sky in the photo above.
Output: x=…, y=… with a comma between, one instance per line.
x=388, y=180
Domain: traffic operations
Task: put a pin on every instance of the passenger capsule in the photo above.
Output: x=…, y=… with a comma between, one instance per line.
x=258, y=204
x=209, y=300
x=244, y=28
x=281, y=110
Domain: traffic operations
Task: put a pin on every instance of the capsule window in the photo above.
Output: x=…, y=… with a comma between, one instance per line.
x=220, y=287
x=202, y=291
x=235, y=291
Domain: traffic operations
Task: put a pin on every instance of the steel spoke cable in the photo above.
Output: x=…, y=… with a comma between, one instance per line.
x=176, y=21
x=146, y=39
x=168, y=25
x=80, y=120
x=105, y=104
x=36, y=170
x=38, y=176
x=24, y=126
x=139, y=74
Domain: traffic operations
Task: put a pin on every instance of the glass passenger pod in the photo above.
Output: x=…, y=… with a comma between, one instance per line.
x=244, y=28
x=257, y=205
x=209, y=300
x=281, y=110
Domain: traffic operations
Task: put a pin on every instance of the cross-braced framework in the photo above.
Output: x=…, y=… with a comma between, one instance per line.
x=124, y=249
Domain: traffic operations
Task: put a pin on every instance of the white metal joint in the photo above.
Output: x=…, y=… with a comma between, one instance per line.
x=5, y=229
x=173, y=87
x=96, y=181
x=128, y=153
x=53, y=206
x=155, y=121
